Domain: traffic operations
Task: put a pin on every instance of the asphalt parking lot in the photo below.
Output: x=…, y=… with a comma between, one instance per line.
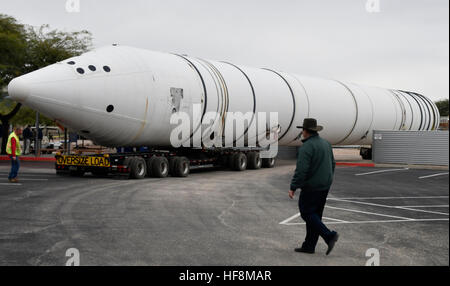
x=221, y=217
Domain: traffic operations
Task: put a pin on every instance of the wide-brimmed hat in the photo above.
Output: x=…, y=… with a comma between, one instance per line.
x=310, y=124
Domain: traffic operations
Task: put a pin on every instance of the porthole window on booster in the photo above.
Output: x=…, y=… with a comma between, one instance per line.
x=110, y=108
x=80, y=70
x=92, y=68
x=106, y=69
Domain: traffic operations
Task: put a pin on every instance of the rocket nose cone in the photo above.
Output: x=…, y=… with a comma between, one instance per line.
x=18, y=89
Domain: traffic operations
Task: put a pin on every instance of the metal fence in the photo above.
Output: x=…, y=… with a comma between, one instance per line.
x=410, y=147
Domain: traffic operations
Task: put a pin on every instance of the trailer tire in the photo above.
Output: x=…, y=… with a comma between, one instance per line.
x=160, y=167
x=230, y=161
x=138, y=168
x=239, y=161
x=172, y=164
x=181, y=167
x=268, y=162
x=253, y=160
x=149, y=166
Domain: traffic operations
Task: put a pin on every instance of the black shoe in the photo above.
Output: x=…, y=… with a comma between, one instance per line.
x=332, y=242
x=301, y=249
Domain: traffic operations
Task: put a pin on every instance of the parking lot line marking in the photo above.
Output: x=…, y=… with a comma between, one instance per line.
x=434, y=175
x=381, y=171
x=391, y=207
x=32, y=175
x=334, y=219
x=290, y=218
x=10, y=184
x=388, y=198
x=298, y=215
x=422, y=211
x=27, y=172
x=33, y=179
x=428, y=206
x=377, y=221
x=370, y=213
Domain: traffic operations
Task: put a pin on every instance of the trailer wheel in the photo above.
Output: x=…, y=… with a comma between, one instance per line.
x=181, y=167
x=268, y=162
x=127, y=161
x=138, y=168
x=254, y=160
x=149, y=166
x=230, y=161
x=239, y=161
x=160, y=167
x=172, y=164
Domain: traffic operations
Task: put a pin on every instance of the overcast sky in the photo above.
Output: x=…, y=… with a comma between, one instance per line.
x=404, y=46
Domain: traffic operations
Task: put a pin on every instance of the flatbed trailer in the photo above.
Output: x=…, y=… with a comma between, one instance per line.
x=160, y=163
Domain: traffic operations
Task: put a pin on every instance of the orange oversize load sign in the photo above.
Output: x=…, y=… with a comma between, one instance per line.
x=83, y=161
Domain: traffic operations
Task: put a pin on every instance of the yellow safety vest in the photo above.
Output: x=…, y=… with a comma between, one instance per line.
x=8, y=145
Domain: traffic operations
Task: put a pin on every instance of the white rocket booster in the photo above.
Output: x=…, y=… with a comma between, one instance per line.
x=124, y=96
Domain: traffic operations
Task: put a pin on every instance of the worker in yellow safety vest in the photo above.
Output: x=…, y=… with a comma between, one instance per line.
x=14, y=151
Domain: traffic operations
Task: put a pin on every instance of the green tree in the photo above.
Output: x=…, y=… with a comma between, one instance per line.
x=442, y=105
x=13, y=42
x=24, y=49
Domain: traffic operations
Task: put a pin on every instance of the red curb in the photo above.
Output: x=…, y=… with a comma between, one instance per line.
x=30, y=159
x=355, y=164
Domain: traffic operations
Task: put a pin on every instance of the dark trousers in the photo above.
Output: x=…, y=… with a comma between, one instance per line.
x=311, y=204
x=14, y=168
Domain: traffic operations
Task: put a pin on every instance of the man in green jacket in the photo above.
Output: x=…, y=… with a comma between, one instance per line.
x=314, y=175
